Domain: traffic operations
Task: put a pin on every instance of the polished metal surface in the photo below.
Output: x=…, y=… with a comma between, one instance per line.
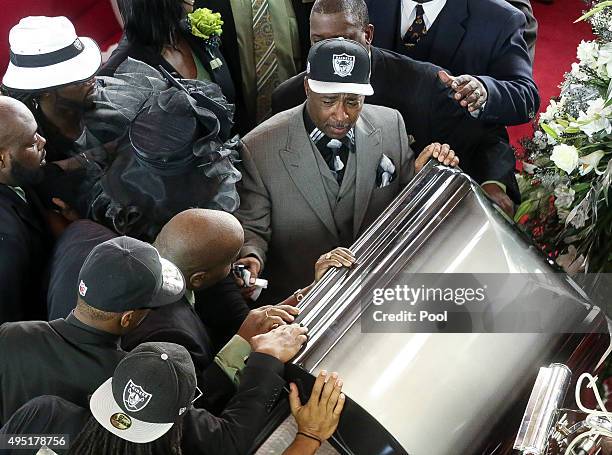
x=435, y=393
x=546, y=399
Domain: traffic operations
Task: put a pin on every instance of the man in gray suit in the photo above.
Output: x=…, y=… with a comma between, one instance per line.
x=315, y=176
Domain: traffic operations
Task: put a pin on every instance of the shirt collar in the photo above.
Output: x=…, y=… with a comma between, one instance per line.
x=72, y=327
x=20, y=192
x=190, y=296
x=432, y=10
x=318, y=137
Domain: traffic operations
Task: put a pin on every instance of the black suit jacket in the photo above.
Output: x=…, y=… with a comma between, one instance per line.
x=483, y=38
x=229, y=40
x=233, y=432
x=177, y=323
x=62, y=357
x=430, y=115
x=24, y=248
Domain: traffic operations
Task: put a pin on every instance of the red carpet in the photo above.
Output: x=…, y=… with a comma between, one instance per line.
x=558, y=38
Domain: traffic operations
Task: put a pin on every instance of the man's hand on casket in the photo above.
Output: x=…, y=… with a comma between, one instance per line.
x=338, y=257
x=283, y=342
x=499, y=196
x=319, y=417
x=441, y=152
x=268, y=317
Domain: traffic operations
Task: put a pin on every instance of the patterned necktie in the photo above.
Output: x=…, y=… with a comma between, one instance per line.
x=266, y=62
x=417, y=30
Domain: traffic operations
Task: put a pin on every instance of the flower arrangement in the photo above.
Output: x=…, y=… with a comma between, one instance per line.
x=205, y=24
x=567, y=170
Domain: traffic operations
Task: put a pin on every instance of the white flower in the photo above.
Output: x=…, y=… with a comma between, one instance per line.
x=587, y=52
x=597, y=108
x=529, y=168
x=577, y=72
x=590, y=162
x=596, y=118
x=565, y=157
x=595, y=126
x=539, y=139
x=604, y=60
x=564, y=197
x=562, y=215
x=552, y=111
x=579, y=214
x=571, y=262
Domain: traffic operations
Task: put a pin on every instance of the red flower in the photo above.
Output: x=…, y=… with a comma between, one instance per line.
x=524, y=219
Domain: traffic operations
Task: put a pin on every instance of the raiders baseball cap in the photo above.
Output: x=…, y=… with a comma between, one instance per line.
x=151, y=387
x=125, y=274
x=339, y=65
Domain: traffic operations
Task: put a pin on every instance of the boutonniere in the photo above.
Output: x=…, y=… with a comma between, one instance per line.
x=385, y=172
x=207, y=25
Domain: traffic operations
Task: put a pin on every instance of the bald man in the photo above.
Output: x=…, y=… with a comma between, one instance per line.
x=203, y=244
x=24, y=239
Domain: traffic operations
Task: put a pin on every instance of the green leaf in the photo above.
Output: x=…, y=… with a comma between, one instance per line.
x=581, y=187
x=525, y=207
x=549, y=131
x=601, y=6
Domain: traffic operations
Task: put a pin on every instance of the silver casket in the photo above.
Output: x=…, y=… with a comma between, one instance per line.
x=446, y=389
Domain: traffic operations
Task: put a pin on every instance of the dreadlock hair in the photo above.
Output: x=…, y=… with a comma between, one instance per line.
x=357, y=9
x=151, y=22
x=94, y=439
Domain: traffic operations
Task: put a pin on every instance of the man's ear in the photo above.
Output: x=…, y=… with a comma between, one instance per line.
x=126, y=319
x=306, y=88
x=3, y=158
x=369, y=33
x=197, y=280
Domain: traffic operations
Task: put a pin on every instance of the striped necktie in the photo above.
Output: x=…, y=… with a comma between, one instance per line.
x=266, y=62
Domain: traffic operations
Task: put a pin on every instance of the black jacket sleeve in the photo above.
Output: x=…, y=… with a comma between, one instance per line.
x=483, y=149
x=222, y=309
x=235, y=430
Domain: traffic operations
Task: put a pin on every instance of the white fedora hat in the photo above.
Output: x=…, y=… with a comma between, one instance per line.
x=47, y=53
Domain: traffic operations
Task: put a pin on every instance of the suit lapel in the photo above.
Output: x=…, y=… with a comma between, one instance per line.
x=303, y=169
x=368, y=154
x=25, y=211
x=450, y=33
x=219, y=74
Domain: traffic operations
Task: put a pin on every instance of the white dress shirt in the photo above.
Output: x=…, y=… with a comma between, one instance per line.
x=432, y=10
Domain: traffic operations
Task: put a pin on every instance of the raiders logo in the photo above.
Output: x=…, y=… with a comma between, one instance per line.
x=82, y=289
x=78, y=45
x=343, y=64
x=121, y=421
x=134, y=397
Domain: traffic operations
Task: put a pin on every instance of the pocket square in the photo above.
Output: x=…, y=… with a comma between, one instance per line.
x=385, y=172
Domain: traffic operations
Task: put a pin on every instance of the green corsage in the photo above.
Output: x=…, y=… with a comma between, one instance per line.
x=205, y=24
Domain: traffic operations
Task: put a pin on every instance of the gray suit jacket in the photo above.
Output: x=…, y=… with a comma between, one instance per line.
x=284, y=208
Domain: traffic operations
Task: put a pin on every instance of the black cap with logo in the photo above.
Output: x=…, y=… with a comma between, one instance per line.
x=150, y=388
x=125, y=274
x=339, y=65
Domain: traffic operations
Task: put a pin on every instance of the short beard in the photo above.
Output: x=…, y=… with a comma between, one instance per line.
x=25, y=176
